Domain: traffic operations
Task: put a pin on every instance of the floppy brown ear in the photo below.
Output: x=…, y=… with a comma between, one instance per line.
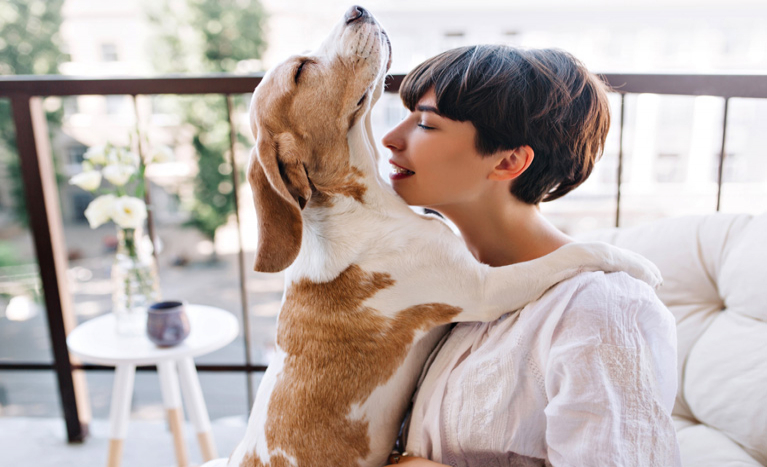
x=279, y=196
x=283, y=165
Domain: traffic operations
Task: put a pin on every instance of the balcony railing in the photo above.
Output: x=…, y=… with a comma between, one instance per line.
x=26, y=93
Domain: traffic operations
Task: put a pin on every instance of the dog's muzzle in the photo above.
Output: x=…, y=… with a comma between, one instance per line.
x=359, y=14
x=356, y=13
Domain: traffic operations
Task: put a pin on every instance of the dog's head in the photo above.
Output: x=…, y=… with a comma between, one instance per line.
x=300, y=115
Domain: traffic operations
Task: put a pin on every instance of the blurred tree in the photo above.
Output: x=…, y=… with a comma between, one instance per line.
x=7, y=255
x=30, y=44
x=208, y=36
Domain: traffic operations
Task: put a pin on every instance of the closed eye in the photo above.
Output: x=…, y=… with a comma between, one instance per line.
x=299, y=70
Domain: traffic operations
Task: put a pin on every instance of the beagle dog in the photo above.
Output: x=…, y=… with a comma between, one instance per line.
x=369, y=284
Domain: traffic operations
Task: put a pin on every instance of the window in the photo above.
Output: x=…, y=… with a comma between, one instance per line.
x=70, y=105
x=115, y=104
x=108, y=52
x=453, y=39
x=75, y=154
x=668, y=168
x=511, y=37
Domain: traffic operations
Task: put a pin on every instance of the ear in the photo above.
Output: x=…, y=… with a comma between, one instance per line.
x=512, y=163
x=282, y=161
x=279, y=211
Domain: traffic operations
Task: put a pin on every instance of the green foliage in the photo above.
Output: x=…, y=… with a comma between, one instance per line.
x=233, y=31
x=207, y=36
x=29, y=44
x=13, y=166
x=29, y=37
x=7, y=256
x=214, y=193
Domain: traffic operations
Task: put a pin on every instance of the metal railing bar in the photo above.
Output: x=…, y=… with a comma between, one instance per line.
x=11, y=366
x=57, y=85
x=247, y=368
x=48, y=234
x=722, y=155
x=393, y=82
x=620, y=162
x=241, y=250
x=724, y=85
x=200, y=367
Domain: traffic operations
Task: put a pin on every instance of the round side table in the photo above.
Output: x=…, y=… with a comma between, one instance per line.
x=95, y=341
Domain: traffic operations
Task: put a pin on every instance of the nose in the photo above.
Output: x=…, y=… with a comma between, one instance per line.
x=356, y=13
x=393, y=140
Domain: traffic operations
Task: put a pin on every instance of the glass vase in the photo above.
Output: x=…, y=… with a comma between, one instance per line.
x=134, y=277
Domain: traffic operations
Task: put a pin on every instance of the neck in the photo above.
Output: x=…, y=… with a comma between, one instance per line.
x=365, y=156
x=336, y=236
x=505, y=232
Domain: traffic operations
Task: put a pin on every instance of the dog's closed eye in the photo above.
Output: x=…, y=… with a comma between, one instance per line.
x=299, y=70
x=362, y=100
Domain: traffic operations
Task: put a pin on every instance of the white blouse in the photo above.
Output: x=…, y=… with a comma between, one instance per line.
x=584, y=376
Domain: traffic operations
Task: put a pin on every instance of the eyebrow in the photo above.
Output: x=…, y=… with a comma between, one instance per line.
x=427, y=108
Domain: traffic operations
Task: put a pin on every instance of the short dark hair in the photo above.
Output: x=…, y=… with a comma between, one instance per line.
x=544, y=98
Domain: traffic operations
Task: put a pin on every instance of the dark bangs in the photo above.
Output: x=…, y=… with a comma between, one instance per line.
x=441, y=72
x=471, y=84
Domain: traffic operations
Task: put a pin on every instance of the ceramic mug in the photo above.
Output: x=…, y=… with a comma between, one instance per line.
x=167, y=323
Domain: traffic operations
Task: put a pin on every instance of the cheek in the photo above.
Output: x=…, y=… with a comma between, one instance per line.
x=453, y=182
x=445, y=177
x=451, y=161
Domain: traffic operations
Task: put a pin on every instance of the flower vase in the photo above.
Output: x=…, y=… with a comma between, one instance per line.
x=134, y=277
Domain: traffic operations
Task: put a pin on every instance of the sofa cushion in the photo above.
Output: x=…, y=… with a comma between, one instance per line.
x=715, y=283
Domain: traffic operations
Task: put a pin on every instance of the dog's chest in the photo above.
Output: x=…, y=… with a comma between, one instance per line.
x=321, y=324
x=336, y=353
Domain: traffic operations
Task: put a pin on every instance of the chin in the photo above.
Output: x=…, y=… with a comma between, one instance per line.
x=415, y=199
x=409, y=200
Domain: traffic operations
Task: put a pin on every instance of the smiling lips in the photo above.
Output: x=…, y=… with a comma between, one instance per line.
x=398, y=172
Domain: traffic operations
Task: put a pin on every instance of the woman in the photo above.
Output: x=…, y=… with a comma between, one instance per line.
x=586, y=375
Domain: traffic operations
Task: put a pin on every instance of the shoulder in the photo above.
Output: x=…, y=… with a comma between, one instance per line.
x=612, y=334
x=610, y=308
x=611, y=290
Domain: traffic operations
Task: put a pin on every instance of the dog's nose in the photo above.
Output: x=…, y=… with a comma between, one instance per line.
x=356, y=13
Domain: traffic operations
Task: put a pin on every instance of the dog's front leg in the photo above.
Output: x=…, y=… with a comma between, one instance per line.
x=484, y=293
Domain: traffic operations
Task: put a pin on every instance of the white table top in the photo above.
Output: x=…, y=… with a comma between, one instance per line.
x=96, y=341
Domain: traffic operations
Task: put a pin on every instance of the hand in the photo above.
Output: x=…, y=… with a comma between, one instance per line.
x=416, y=462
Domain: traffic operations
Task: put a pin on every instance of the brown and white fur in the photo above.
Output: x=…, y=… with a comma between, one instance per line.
x=369, y=283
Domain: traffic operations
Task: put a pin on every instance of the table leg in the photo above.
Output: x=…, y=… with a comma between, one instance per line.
x=198, y=412
x=119, y=412
x=172, y=401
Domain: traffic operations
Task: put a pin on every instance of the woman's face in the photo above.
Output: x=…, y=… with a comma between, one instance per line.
x=434, y=160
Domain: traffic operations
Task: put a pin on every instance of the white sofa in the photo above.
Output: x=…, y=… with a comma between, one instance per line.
x=715, y=283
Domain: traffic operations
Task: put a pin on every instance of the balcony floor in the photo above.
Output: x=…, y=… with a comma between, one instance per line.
x=41, y=442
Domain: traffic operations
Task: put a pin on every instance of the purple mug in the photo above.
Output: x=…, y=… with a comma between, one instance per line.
x=167, y=323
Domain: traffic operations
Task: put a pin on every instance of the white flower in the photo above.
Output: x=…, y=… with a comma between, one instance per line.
x=161, y=154
x=127, y=157
x=88, y=180
x=118, y=174
x=100, y=210
x=96, y=155
x=129, y=212
x=112, y=156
